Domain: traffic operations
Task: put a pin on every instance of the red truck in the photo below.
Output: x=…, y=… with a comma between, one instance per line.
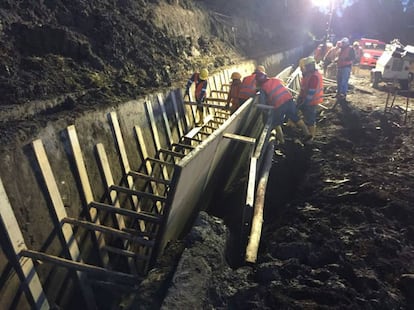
x=372, y=50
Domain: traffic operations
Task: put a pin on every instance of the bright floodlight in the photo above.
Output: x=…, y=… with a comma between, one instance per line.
x=322, y=3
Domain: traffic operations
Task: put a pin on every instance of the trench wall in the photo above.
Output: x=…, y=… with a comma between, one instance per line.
x=25, y=190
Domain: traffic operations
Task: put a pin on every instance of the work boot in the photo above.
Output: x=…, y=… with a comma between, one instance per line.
x=279, y=135
x=301, y=124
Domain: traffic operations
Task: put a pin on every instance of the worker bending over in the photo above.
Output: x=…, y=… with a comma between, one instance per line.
x=275, y=94
x=200, y=80
x=311, y=93
x=248, y=87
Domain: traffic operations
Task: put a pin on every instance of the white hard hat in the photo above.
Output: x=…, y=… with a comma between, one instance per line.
x=345, y=41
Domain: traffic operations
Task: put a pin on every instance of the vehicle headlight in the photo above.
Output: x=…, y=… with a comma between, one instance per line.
x=367, y=55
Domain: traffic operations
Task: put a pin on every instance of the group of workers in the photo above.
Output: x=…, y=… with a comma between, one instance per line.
x=273, y=92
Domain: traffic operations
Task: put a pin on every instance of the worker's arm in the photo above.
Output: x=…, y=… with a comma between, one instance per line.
x=262, y=97
x=188, y=85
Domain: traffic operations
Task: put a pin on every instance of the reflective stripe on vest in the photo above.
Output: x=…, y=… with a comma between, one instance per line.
x=248, y=87
x=201, y=86
x=343, y=57
x=304, y=88
x=276, y=93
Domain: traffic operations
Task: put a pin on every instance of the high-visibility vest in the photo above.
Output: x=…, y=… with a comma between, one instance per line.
x=200, y=87
x=248, y=87
x=276, y=93
x=304, y=88
x=344, y=58
x=234, y=92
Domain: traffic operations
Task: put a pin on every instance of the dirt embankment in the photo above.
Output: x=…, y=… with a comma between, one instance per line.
x=59, y=59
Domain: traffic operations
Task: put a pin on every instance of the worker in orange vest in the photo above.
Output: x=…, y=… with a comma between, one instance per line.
x=233, y=100
x=200, y=80
x=344, y=62
x=311, y=93
x=248, y=86
x=275, y=94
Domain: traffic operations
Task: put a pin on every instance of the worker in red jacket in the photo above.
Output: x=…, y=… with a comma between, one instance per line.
x=233, y=99
x=200, y=80
x=275, y=94
x=248, y=86
x=311, y=93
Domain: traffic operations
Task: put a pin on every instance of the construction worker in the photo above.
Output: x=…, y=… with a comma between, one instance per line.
x=328, y=60
x=233, y=100
x=358, y=55
x=248, y=86
x=311, y=94
x=200, y=80
x=275, y=94
x=344, y=62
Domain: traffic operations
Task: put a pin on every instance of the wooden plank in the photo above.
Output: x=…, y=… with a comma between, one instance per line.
x=221, y=92
x=240, y=138
x=121, y=148
x=177, y=114
x=155, y=137
x=59, y=213
x=24, y=268
x=149, y=165
x=113, y=197
x=109, y=181
x=124, y=160
x=93, y=270
x=108, y=230
x=86, y=188
x=256, y=230
x=166, y=121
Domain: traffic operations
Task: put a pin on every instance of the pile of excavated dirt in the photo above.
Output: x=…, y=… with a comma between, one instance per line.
x=59, y=59
x=338, y=228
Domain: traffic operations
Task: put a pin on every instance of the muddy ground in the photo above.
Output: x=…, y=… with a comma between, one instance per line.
x=338, y=228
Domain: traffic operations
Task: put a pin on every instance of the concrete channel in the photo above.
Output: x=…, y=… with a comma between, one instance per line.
x=89, y=206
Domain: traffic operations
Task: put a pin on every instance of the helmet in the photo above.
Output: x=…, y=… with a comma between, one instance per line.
x=260, y=68
x=356, y=43
x=329, y=45
x=261, y=76
x=308, y=60
x=235, y=76
x=345, y=41
x=204, y=74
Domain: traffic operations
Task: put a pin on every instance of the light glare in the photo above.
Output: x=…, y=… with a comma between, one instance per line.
x=323, y=4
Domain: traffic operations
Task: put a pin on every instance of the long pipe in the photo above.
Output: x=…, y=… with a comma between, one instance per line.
x=256, y=231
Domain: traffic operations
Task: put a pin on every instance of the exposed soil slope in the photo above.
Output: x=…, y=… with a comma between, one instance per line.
x=62, y=58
